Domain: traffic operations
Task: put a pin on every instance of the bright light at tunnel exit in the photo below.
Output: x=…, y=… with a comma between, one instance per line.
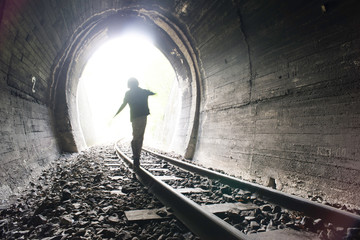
x=103, y=84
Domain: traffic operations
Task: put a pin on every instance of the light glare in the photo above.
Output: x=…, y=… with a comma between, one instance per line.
x=105, y=82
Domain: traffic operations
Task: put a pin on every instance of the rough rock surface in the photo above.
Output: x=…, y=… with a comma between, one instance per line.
x=82, y=197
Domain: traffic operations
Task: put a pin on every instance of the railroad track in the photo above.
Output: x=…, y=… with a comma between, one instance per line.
x=217, y=206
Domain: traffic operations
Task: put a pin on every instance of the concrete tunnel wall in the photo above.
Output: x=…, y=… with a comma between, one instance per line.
x=275, y=84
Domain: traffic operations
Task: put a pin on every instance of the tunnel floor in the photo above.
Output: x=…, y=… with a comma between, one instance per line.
x=82, y=196
x=87, y=196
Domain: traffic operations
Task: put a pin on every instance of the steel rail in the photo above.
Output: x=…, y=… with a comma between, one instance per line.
x=204, y=224
x=310, y=208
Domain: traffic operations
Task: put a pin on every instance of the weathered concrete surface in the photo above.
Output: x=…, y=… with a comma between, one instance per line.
x=281, y=94
x=270, y=89
x=27, y=142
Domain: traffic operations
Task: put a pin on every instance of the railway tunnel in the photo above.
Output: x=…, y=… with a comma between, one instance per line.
x=269, y=89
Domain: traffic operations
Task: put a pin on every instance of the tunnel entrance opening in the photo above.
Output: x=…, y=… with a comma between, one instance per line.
x=167, y=37
x=103, y=84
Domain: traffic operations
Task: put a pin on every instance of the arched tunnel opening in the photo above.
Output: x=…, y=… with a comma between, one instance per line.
x=267, y=91
x=103, y=84
x=168, y=40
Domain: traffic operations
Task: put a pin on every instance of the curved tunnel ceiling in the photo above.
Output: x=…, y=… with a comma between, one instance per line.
x=167, y=37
